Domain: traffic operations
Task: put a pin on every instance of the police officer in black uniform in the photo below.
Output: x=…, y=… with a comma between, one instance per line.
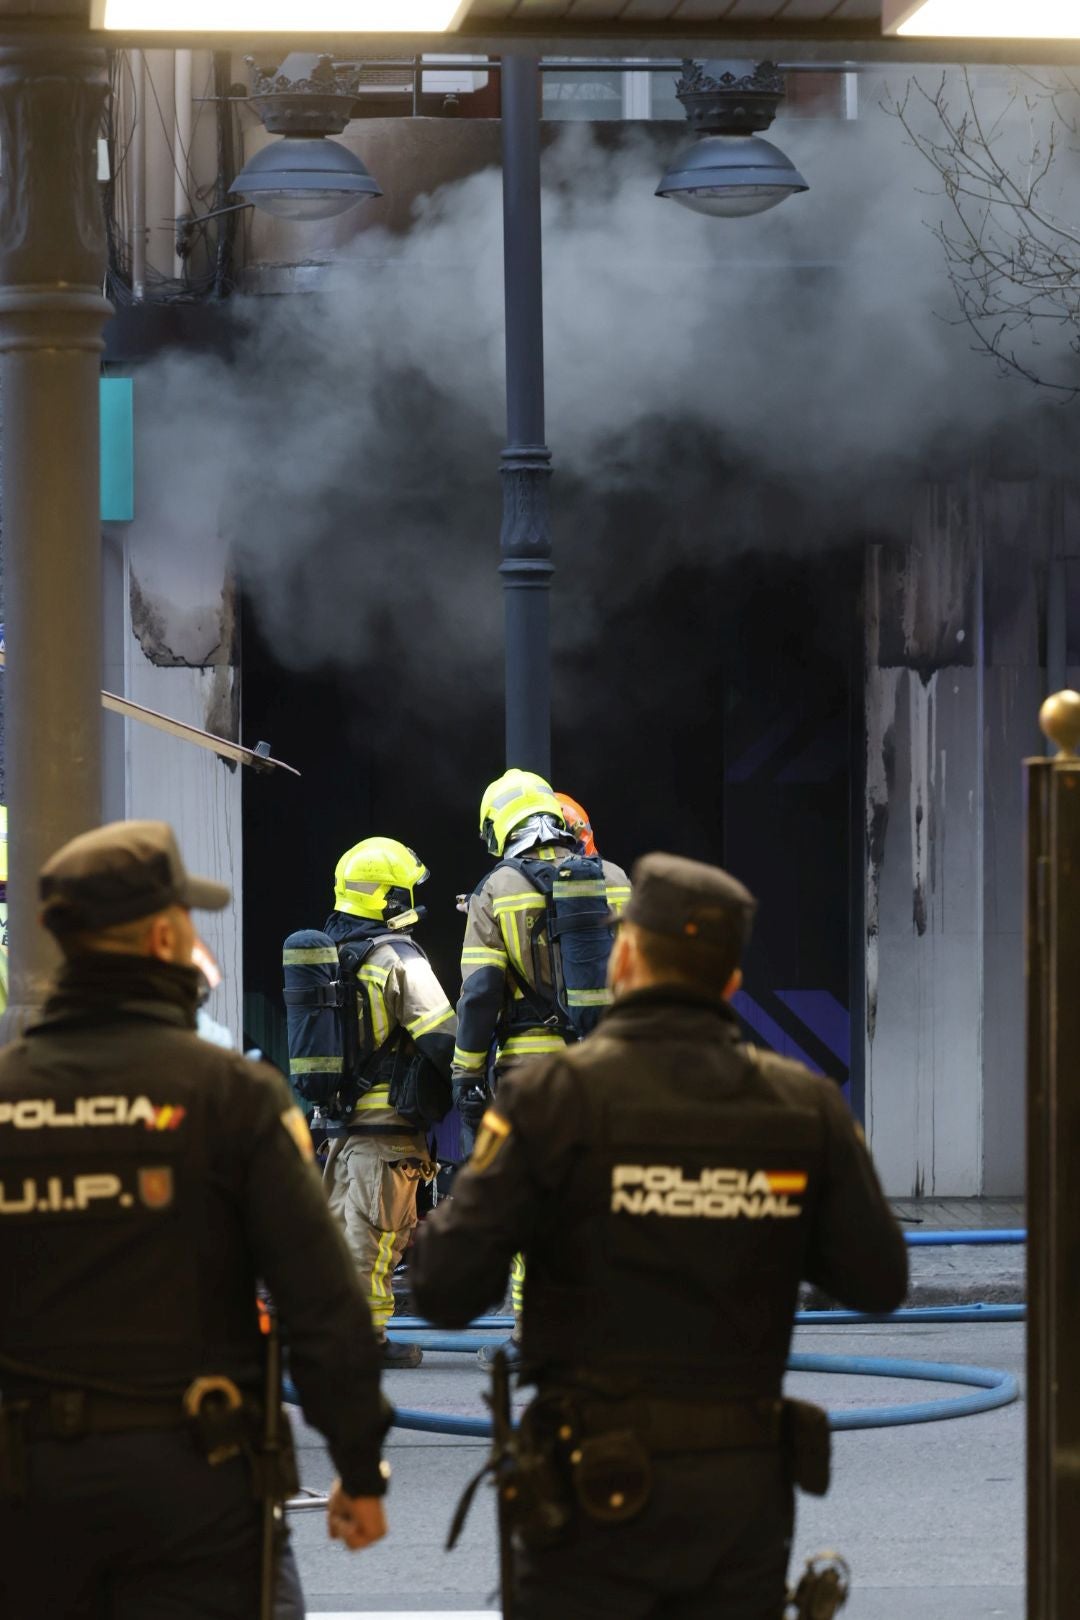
x=669, y=1187
x=147, y=1181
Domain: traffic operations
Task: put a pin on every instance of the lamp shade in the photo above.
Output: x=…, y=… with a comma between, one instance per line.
x=729, y=176
x=305, y=177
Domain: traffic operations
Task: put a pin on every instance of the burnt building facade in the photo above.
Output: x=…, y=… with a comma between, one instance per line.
x=805, y=603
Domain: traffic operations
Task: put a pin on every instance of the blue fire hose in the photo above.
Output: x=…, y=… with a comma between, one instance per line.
x=991, y=1387
x=414, y=1330
x=939, y=1238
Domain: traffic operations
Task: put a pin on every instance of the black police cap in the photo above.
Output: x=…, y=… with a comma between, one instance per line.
x=691, y=901
x=118, y=873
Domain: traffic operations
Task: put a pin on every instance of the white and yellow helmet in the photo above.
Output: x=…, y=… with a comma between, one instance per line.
x=376, y=879
x=514, y=798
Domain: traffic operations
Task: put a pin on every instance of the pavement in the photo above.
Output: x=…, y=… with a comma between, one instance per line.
x=964, y=1274
x=930, y=1516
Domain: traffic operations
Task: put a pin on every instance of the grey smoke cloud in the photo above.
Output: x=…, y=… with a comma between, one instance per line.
x=348, y=455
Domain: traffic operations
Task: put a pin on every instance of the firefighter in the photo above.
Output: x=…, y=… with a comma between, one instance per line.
x=577, y=823
x=670, y=1187
x=507, y=1010
x=506, y=1006
x=375, y=1166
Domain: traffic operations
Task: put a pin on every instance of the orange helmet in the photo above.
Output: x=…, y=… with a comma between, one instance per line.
x=577, y=823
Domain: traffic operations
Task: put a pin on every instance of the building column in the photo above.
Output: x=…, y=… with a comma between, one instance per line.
x=924, y=850
x=953, y=678
x=526, y=460
x=52, y=314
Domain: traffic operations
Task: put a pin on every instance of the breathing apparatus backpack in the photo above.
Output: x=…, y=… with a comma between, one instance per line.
x=334, y=1058
x=579, y=936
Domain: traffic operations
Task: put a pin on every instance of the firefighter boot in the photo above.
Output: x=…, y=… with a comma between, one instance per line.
x=511, y=1348
x=397, y=1356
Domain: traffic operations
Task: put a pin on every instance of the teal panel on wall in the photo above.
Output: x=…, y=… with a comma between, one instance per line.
x=117, y=450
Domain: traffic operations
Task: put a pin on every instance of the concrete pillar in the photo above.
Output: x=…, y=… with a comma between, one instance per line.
x=953, y=678
x=52, y=313
x=924, y=846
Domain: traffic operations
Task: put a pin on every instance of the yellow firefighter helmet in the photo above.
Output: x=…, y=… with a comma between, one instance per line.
x=376, y=879
x=515, y=797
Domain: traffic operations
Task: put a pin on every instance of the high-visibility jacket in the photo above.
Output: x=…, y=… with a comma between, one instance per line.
x=497, y=956
x=401, y=992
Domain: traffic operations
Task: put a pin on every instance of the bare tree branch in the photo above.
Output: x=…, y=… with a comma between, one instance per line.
x=1010, y=178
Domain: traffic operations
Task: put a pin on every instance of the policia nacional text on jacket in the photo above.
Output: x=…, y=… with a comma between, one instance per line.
x=148, y=1179
x=669, y=1188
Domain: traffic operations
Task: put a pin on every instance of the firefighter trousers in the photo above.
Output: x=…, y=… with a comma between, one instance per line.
x=371, y=1188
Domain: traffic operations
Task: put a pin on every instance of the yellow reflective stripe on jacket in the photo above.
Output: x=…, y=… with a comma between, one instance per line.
x=512, y=912
x=534, y=1041
x=513, y=945
x=588, y=998
x=315, y=1065
x=377, y=1097
x=380, y=1018
x=426, y=1023
x=371, y=973
x=579, y=889
x=618, y=894
x=314, y=953
x=474, y=1062
x=482, y=956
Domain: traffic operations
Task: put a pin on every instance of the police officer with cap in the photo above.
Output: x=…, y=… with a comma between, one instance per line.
x=669, y=1187
x=148, y=1180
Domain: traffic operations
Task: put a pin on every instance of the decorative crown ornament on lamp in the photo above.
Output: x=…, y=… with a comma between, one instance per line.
x=731, y=171
x=304, y=175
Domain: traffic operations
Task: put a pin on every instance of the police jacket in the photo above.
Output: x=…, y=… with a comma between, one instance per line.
x=498, y=954
x=147, y=1181
x=669, y=1187
x=400, y=994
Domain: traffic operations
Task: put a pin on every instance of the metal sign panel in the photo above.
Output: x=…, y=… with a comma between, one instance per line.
x=117, y=450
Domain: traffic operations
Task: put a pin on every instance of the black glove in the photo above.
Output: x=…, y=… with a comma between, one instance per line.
x=471, y=1104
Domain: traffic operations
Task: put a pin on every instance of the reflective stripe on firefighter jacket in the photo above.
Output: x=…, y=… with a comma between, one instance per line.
x=497, y=954
x=400, y=991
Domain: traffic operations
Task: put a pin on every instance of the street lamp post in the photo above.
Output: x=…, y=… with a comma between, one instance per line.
x=52, y=315
x=526, y=461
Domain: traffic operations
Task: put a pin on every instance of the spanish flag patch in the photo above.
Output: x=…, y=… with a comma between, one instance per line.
x=491, y=1138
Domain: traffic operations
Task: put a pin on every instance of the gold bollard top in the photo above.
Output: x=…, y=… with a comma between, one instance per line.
x=1059, y=718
